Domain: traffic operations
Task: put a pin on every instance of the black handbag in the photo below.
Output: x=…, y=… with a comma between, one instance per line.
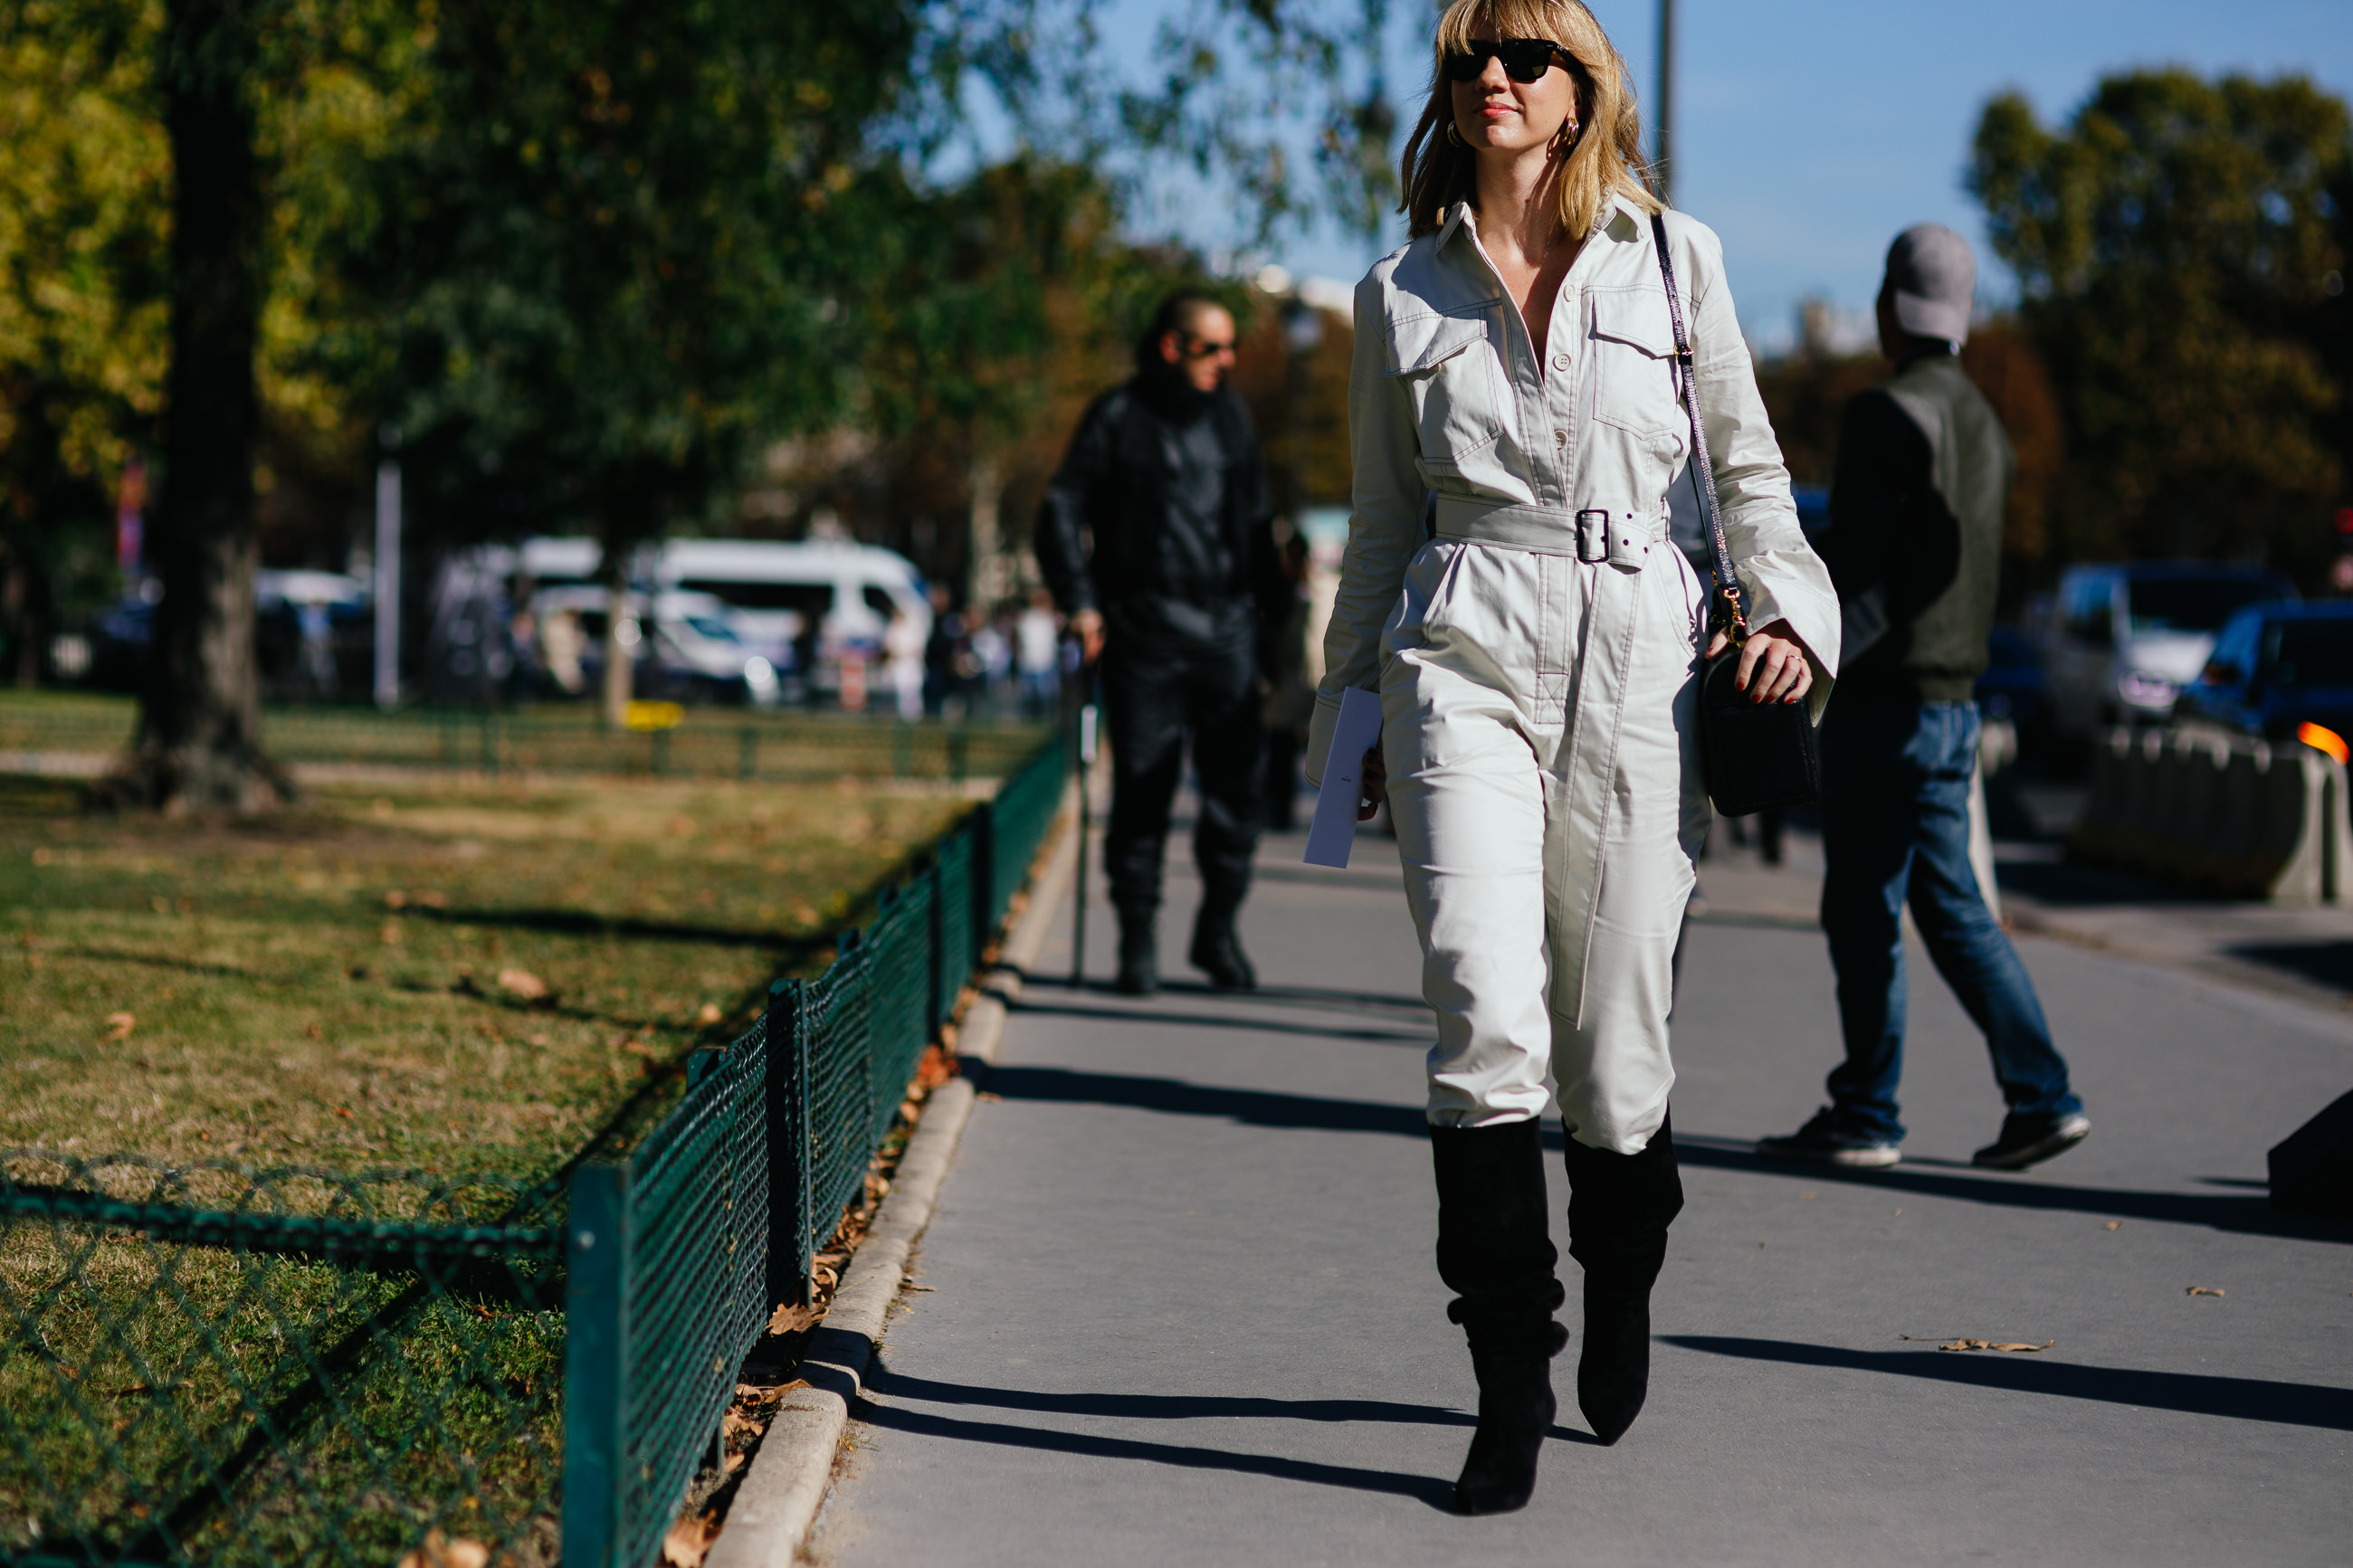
x=1756, y=757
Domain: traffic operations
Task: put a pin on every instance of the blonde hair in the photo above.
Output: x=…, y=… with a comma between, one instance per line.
x=1606, y=158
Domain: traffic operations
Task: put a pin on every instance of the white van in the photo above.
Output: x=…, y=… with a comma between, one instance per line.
x=803, y=607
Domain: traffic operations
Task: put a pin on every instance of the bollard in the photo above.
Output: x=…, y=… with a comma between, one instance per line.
x=2228, y=866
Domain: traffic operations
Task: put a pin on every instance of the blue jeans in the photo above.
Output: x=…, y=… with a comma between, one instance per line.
x=1895, y=823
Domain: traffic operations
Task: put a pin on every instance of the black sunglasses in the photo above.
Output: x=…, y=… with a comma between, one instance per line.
x=1525, y=59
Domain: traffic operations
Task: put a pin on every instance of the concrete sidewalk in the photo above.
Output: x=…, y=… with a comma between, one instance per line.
x=1177, y=1304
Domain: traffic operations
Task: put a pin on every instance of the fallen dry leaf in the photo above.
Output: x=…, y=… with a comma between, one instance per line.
x=440, y=1552
x=2202, y=1290
x=732, y=1463
x=523, y=984
x=391, y=934
x=1963, y=1344
x=433, y=900
x=2113, y=1224
x=395, y=900
x=709, y=1013
x=119, y=1027
x=791, y=1319
x=688, y=1541
x=637, y=1047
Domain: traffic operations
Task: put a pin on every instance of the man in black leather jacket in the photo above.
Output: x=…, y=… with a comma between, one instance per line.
x=1156, y=539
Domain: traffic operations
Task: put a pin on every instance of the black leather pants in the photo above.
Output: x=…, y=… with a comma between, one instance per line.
x=1155, y=694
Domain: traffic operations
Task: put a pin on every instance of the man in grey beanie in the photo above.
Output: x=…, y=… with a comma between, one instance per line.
x=1914, y=546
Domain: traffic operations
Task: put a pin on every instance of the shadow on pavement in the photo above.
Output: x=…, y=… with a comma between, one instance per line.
x=2250, y=1214
x=2193, y=1393
x=1304, y=995
x=1145, y=1014
x=2328, y=963
x=1162, y=1406
x=2063, y=883
x=1251, y=1107
x=1435, y=1490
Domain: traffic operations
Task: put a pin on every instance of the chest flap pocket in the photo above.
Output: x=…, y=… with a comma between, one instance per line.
x=1634, y=345
x=1448, y=366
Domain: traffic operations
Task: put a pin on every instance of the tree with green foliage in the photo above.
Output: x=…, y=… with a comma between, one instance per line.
x=2180, y=246
x=82, y=317
x=609, y=249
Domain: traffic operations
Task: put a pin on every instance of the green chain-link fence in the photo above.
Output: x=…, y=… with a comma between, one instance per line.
x=207, y=1364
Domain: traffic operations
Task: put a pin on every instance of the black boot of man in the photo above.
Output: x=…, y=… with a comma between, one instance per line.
x=1139, y=951
x=1618, y=1209
x=1217, y=950
x=1494, y=1253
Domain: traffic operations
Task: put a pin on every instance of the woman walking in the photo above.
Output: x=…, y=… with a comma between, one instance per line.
x=1516, y=420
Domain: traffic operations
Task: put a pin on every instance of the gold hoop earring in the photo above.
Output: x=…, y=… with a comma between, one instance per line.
x=1453, y=135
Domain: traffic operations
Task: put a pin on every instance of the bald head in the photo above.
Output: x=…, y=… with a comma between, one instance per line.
x=1195, y=335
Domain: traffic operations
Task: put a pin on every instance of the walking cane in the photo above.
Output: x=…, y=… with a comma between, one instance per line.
x=1078, y=895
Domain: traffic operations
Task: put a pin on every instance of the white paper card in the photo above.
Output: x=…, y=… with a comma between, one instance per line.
x=1334, y=832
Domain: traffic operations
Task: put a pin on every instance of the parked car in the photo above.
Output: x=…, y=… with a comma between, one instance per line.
x=2012, y=687
x=2127, y=638
x=313, y=632
x=2274, y=669
x=694, y=652
x=805, y=607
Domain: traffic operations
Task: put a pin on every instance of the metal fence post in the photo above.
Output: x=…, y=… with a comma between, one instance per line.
x=789, y=1146
x=934, y=933
x=595, y=1366
x=984, y=881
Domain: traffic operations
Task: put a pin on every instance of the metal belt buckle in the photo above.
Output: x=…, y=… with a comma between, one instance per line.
x=1593, y=536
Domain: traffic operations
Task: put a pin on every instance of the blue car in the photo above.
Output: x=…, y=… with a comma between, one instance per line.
x=2012, y=687
x=2276, y=667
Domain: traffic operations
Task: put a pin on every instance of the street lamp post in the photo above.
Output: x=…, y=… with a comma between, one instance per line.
x=1663, y=138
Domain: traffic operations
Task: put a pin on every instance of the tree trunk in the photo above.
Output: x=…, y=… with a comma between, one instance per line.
x=991, y=573
x=198, y=746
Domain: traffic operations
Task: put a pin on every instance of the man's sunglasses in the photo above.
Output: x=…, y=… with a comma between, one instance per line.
x=1525, y=59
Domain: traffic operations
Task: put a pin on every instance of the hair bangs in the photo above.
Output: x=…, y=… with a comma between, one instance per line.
x=1604, y=162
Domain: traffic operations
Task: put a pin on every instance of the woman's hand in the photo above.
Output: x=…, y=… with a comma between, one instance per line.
x=1774, y=664
x=1372, y=785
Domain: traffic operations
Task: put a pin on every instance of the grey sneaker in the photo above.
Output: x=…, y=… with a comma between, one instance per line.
x=2031, y=1139
x=1819, y=1142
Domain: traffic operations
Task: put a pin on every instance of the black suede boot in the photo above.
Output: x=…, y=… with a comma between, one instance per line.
x=1618, y=1209
x=1217, y=950
x=1494, y=1251
x=1139, y=952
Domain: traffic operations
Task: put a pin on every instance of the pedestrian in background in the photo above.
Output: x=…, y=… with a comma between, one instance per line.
x=903, y=641
x=1038, y=655
x=1165, y=475
x=1289, y=689
x=1914, y=546
x=1537, y=653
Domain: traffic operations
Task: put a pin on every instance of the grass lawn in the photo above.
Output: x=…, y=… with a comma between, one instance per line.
x=477, y=978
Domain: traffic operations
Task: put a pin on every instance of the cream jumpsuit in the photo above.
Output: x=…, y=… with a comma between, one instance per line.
x=1537, y=660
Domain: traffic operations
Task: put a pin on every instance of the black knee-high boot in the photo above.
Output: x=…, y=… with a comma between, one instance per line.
x=1618, y=1209
x=1494, y=1253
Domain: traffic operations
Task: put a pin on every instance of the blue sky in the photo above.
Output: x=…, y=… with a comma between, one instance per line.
x=1811, y=131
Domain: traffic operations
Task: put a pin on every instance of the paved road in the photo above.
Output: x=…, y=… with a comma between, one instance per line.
x=1179, y=1304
